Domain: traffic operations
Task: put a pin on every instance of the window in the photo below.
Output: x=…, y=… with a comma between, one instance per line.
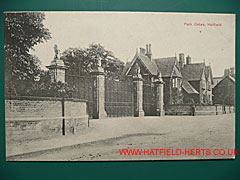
x=179, y=84
x=175, y=82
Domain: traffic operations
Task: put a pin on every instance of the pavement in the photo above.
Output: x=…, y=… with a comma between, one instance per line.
x=101, y=129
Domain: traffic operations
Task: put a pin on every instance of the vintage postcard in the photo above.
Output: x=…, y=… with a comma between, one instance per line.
x=113, y=86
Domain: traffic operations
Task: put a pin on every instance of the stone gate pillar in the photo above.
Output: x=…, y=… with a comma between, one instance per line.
x=138, y=82
x=99, y=94
x=57, y=67
x=160, y=104
x=57, y=71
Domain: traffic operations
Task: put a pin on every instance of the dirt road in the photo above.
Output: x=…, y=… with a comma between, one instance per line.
x=201, y=132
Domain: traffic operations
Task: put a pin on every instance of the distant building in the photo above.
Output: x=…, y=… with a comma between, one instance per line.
x=199, y=76
x=216, y=80
x=229, y=72
x=184, y=82
x=224, y=91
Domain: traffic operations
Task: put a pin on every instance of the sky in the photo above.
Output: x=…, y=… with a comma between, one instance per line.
x=124, y=32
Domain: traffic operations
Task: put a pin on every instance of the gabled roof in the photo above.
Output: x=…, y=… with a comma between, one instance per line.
x=193, y=72
x=126, y=67
x=216, y=80
x=224, y=78
x=150, y=65
x=229, y=77
x=188, y=87
x=208, y=72
x=176, y=72
x=167, y=65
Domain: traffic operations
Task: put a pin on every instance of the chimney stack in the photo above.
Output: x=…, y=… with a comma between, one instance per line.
x=181, y=60
x=142, y=51
x=149, y=51
x=226, y=72
x=232, y=71
x=188, y=60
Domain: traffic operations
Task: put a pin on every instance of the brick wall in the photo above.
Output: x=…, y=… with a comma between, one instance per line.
x=177, y=109
x=30, y=118
x=167, y=91
x=199, y=110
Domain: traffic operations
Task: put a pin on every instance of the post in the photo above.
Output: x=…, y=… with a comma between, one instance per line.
x=138, y=82
x=63, y=119
x=160, y=104
x=99, y=94
x=224, y=109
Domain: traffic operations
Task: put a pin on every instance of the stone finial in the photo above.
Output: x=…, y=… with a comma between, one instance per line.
x=72, y=53
x=57, y=52
x=137, y=74
x=138, y=69
x=160, y=77
x=99, y=61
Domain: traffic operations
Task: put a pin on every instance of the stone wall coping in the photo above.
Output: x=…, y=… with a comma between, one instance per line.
x=36, y=98
x=199, y=105
x=37, y=118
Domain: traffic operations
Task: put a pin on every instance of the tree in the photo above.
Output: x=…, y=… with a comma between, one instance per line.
x=22, y=31
x=43, y=87
x=51, y=89
x=83, y=61
x=76, y=61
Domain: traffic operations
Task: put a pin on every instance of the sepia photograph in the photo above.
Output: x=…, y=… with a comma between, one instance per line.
x=119, y=86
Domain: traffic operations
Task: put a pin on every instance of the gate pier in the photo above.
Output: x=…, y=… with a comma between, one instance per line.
x=159, y=84
x=138, y=83
x=99, y=94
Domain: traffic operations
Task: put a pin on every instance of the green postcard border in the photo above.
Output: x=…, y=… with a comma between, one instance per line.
x=203, y=169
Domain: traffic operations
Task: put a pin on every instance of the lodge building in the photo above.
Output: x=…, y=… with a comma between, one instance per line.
x=184, y=82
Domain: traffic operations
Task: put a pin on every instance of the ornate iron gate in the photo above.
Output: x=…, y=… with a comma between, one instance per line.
x=149, y=98
x=84, y=89
x=119, y=98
